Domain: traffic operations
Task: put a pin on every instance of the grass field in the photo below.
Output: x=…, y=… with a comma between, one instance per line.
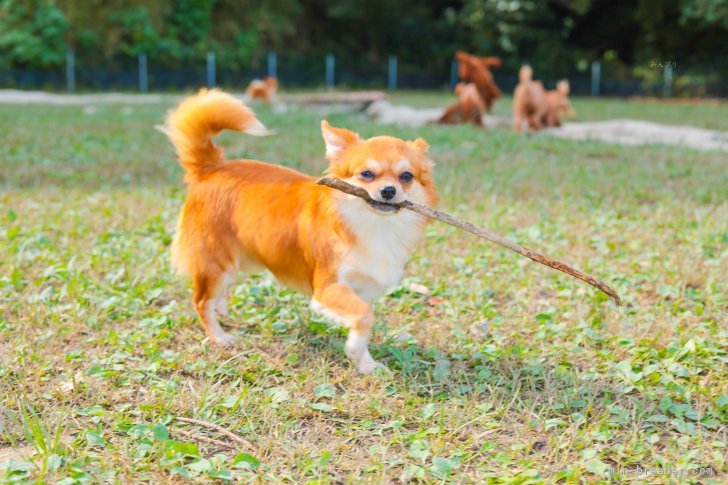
x=509, y=373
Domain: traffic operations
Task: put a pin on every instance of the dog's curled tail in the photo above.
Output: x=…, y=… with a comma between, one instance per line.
x=525, y=74
x=192, y=125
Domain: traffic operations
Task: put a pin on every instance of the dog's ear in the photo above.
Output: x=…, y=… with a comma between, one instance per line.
x=337, y=139
x=420, y=145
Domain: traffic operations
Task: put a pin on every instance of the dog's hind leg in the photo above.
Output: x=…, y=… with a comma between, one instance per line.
x=517, y=120
x=209, y=292
x=221, y=301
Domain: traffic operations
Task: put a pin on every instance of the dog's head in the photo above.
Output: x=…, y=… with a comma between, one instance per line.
x=563, y=87
x=390, y=169
x=525, y=74
x=271, y=83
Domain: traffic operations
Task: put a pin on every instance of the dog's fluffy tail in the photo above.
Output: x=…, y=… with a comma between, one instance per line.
x=525, y=75
x=192, y=125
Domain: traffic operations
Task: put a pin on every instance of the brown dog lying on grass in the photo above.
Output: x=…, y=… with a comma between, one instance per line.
x=468, y=109
x=265, y=90
x=476, y=70
x=529, y=101
x=558, y=103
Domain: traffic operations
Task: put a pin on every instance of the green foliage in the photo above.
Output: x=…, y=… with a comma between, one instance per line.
x=708, y=13
x=31, y=33
x=138, y=31
x=556, y=37
x=524, y=31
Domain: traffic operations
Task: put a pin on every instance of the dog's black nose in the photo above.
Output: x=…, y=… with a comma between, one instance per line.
x=388, y=192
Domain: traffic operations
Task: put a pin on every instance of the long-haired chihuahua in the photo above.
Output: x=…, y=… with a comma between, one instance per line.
x=246, y=215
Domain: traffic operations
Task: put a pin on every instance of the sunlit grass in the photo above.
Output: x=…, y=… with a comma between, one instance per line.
x=511, y=371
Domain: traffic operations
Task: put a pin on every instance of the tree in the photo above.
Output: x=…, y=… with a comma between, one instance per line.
x=31, y=33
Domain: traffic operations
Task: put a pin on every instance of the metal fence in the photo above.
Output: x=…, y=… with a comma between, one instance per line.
x=145, y=74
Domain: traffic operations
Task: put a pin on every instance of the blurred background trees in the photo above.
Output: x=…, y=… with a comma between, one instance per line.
x=558, y=37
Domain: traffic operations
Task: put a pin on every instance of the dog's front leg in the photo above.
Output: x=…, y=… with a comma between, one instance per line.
x=341, y=304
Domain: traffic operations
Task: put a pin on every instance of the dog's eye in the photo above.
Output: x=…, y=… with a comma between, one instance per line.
x=406, y=177
x=367, y=175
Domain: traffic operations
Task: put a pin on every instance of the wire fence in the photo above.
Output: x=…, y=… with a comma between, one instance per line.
x=144, y=74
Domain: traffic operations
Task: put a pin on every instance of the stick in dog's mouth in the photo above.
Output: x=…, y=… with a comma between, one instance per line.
x=473, y=229
x=347, y=188
x=383, y=206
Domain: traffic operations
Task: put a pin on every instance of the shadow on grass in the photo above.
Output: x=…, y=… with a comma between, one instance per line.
x=483, y=373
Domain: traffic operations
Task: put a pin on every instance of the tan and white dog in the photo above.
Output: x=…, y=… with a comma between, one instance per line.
x=529, y=101
x=265, y=89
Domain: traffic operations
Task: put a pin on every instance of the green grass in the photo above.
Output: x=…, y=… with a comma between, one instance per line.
x=513, y=374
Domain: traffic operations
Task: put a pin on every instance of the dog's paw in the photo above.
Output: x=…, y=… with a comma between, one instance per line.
x=367, y=365
x=222, y=339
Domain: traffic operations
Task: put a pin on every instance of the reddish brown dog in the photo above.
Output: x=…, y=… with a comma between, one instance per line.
x=468, y=109
x=476, y=70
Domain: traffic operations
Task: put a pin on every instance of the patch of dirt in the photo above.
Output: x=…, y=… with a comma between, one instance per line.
x=623, y=131
x=388, y=114
x=15, y=453
x=638, y=133
x=14, y=96
x=679, y=101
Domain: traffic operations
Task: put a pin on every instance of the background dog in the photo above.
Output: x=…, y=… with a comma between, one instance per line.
x=476, y=70
x=468, y=109
x=529, y=101
x=558, y=103
x=265, y=89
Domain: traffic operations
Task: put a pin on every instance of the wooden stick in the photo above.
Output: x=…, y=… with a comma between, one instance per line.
x=478, y=231
x=218, y=428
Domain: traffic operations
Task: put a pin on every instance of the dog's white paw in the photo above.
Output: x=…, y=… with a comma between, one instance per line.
x=223, y=339
x=367, y=364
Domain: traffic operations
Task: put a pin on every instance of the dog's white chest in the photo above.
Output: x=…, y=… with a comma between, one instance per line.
x=384, y=244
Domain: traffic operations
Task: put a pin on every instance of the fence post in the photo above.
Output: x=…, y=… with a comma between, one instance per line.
x=143, y=79
x=667, y=87
x=211, y=81
x=70, y=71
x=453, y=73
x=596, y=78
x=272, y=64
x=392, y=73
x=330, y=65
